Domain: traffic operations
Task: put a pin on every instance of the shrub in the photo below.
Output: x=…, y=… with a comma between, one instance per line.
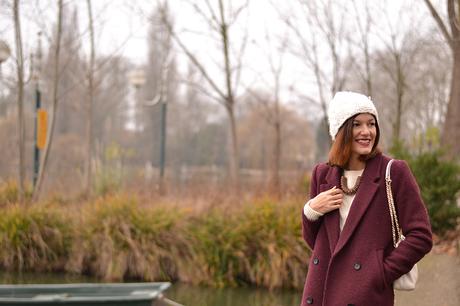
x=439, y=182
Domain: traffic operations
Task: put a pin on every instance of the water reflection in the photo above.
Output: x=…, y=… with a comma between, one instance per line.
x=181, y=293
x=203, y=296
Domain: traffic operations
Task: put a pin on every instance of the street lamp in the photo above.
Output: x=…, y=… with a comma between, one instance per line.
x=137, y=78
x=161, y=98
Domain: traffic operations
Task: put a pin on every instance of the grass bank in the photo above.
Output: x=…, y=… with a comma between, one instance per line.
x=117, y=237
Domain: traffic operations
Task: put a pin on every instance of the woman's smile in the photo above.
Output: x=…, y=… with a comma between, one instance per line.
x=364, y=142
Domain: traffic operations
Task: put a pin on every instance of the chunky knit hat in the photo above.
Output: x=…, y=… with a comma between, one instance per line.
x=346, y=104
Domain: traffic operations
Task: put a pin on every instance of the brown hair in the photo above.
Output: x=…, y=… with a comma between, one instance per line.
x=340, y=151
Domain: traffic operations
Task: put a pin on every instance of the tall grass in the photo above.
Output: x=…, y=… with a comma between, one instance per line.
x=259, y=244
x=116, y=237
x=35, y=239
x=119, y=239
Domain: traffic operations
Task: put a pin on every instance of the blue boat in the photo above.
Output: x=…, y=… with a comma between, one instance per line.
x=100, y=294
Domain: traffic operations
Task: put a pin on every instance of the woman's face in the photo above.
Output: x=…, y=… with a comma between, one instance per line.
x=364, y=133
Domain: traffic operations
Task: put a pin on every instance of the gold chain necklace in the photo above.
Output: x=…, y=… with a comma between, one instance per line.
x=344, y=185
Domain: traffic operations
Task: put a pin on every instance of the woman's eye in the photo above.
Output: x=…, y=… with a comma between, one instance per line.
x=355, y=124
x=372, y=124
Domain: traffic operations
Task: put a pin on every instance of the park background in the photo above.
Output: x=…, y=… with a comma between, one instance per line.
x=180, y=135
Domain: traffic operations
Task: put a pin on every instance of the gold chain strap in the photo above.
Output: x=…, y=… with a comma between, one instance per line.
x=395, y=228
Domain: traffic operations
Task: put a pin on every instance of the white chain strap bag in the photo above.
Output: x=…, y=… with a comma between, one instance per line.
x=408, y=281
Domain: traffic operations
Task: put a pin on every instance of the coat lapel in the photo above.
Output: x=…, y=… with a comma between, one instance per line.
x=332, y=219
x=364, y=196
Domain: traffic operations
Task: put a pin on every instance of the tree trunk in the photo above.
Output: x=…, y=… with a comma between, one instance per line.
x=230, y=101
x=49, y=138
x=275, y=177
x=451, y=129
x=20, y=99
x=233, y=158
x=367, y=59
x=399, y=103
x=89, y=109
x=451, y=132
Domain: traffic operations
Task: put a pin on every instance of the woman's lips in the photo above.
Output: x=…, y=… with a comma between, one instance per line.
x=364, y=142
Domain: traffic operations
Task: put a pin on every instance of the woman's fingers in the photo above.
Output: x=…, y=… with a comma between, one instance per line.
x=338, y=202
x=335, y=191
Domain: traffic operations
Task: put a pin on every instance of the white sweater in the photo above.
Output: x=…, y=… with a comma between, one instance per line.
x=352, y=176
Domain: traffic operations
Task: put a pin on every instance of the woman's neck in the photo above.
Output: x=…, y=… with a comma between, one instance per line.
x=356, y=164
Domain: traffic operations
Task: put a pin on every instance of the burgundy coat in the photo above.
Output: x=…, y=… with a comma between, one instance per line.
x=358, y=266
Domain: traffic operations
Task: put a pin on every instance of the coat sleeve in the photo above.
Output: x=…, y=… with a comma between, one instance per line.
x=310, y=228
x=414, y=221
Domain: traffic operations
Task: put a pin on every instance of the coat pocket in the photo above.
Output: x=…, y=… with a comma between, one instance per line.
x=379, y=258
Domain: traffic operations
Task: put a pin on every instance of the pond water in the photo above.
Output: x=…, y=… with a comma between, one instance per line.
x=182, y=293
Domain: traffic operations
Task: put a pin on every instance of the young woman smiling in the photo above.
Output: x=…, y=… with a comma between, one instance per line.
x=347, y=223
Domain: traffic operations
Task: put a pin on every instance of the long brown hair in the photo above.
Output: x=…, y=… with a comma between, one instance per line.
x=340, y=152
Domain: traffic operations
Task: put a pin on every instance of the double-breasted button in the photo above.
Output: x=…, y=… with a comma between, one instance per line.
x=309, y=300
x=357, y=266
x=316, y=261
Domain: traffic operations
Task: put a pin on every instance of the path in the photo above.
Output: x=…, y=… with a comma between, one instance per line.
x=438, y=285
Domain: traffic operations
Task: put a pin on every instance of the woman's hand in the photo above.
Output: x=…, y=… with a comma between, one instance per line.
x=327, y=200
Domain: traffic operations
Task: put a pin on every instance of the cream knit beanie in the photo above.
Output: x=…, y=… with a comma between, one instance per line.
x=346, y=104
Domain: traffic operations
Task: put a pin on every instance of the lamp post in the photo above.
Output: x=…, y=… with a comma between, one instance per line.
x=161, y=98
x=137, y=78
x=40, y=115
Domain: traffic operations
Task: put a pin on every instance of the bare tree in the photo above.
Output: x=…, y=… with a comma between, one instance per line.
x=364, y=27
x=271, y=106
x=55, y=100
x=451, y=130
x=20, y=97
x=397, y=60
x=89, y=107
x=220, y=20
x=325, y=21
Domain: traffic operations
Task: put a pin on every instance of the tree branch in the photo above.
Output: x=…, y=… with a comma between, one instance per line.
x=453, y=20
x=193, y=58
x=440, y=23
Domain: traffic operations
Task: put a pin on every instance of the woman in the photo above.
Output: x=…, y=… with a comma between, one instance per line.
x=347, y=221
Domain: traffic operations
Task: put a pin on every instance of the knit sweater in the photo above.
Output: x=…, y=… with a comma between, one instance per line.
x=352, y=176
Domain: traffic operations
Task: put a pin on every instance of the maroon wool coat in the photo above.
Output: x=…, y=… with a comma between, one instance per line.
x=358, y=266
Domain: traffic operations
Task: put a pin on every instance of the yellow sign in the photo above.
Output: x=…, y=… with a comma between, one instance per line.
x=42, y=128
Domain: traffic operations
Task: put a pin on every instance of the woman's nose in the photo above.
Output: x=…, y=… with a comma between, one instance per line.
x=365, y=130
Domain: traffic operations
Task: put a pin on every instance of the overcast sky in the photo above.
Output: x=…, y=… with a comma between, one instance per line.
x=122, y=27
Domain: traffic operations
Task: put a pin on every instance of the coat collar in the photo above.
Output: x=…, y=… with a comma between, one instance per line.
x=364, y=196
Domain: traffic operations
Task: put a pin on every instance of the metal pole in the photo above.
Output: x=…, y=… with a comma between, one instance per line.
x=38, y=105
x=36, y=149
x=163, y=100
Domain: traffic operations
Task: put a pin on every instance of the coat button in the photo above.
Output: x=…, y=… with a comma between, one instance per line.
x=315, y=261
x=357, y=266
x=309, y=300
